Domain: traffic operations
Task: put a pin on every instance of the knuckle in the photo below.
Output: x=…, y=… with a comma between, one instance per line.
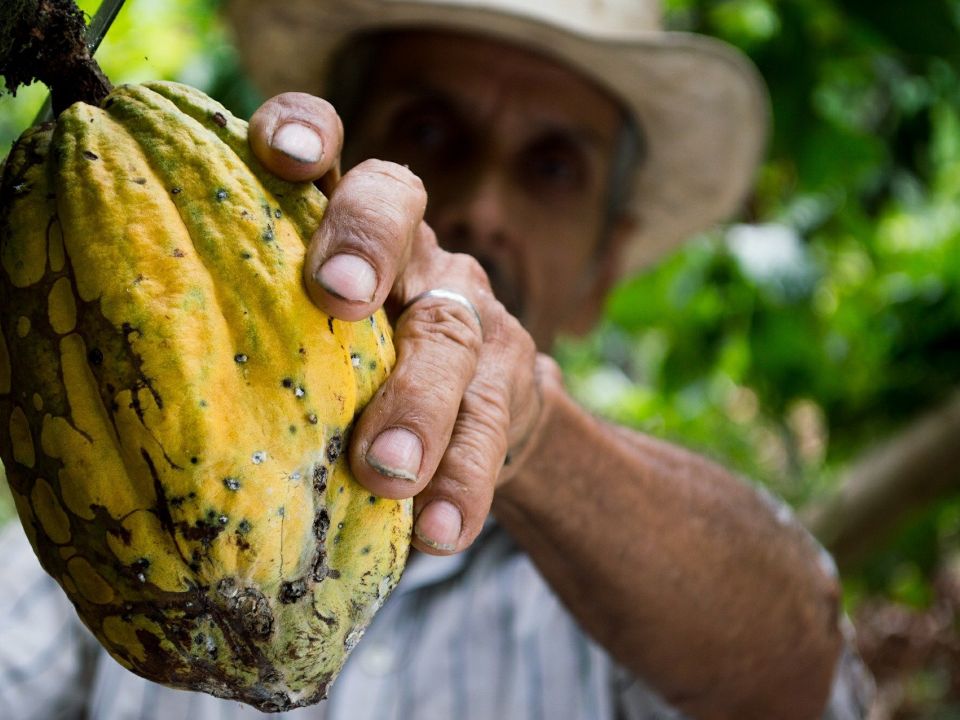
x=395, y=173
x=441, y=323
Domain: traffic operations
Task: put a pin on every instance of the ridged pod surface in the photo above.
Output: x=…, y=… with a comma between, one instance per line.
x=173, y=409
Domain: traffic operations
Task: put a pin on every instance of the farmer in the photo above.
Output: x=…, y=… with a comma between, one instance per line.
x=528, y=154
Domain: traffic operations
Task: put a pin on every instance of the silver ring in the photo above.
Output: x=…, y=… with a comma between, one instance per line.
x=456, y=297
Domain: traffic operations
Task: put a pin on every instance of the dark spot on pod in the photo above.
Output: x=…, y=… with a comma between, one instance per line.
x=140, y=181
x=372, y=365
x=109, y=103
x=219, y=120
x=254, y=611
x=267, y=235
x=281, y=511
x=340, y=490
x=231, y=483
x=365, y=550
x=278, y=702
x=287, y=383
x=222, y=195
x=292, y=591
x=90, y=155
x=95, y=356
x=203, y=403
x=330, y=323
x=277, y=214
x=245, y=255
x=320, y=568
x=139, y=568
x=223, y=519
x=191, y=494
x=178, y=253
x=228, y=587
x=321, y=523
x=333, y=574
x=372, y=499
x=312, y=418
x=334, y=447
x=240, y=358
x=194, y=460
x=292, y=429
x=176, y=190
x=176, y=501
x=319, y=478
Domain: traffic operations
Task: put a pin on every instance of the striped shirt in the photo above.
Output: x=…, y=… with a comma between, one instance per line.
x=473, y=636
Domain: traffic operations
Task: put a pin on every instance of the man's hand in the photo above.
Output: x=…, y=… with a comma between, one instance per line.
x=463, y=393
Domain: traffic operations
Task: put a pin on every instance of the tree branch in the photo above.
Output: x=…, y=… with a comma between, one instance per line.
x=914, y=467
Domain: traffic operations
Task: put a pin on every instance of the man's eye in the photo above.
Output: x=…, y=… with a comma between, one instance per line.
x=555, y=167
x=427, y=132
x=424, y=130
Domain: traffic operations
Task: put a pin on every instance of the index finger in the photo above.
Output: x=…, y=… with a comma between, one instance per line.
x=297, y=136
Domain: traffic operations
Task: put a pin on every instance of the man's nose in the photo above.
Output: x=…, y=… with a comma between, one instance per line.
x=474, y=217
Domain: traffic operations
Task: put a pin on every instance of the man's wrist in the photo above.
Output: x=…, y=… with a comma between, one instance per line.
x=524, y=461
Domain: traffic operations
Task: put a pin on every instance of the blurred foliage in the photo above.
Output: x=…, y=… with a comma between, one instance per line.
x=789, y=343
x=787, y=346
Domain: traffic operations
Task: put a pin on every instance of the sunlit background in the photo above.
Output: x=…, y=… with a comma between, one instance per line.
x=821, y=328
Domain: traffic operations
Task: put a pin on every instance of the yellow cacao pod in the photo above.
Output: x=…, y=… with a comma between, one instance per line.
x=173, y=409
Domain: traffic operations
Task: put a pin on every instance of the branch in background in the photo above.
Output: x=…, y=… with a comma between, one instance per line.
x=916, y=466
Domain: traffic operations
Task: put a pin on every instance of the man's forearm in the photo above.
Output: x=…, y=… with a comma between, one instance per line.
x=687, y=575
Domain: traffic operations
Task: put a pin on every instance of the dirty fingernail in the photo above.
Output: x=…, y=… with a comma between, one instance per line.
x=348, y=277
x=439, y=525
x=396, y=453
x=298, y=142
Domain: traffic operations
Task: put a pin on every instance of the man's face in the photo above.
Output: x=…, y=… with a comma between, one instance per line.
x=515, y=153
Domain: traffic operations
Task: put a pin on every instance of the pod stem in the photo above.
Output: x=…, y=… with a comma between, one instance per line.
x=45, y=40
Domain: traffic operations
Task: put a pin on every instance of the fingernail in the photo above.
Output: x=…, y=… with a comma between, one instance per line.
x=348, y=277
x=298, y=142
x=396, y=453
x=439, y=525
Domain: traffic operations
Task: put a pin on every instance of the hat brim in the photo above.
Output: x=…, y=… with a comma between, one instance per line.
x=701, y=105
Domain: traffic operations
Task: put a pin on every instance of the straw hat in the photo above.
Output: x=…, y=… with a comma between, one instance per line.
x=700, y=103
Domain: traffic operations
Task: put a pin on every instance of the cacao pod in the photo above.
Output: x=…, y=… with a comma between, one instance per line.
x=173, y=409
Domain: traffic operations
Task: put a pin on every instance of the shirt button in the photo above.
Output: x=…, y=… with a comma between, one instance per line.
x=377, y=660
